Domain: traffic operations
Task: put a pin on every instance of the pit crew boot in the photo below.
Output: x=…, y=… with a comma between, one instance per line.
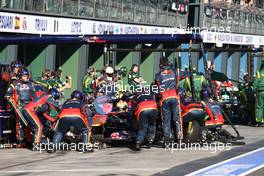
x=149, y=144
x=88, y=150
x=166, y=144
x=138, y=146
x=51, y=148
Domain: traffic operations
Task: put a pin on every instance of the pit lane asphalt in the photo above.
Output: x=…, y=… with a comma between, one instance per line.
x=123, y=161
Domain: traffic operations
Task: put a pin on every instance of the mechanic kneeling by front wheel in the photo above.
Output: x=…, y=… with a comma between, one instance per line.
x=73, y=114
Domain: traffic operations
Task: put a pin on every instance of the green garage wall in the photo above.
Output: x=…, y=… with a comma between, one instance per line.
x=125, y=59
x=68, y=58
x=8, y=53
x=74, y=59
x=172, y=55
x=34, y=57
x=148, y=63
x=38, y=64
x=147, y=68
x=96, y=57
x=126, y=62
x=3, y=54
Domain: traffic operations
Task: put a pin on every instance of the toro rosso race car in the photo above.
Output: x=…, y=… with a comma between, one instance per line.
x=201, y=122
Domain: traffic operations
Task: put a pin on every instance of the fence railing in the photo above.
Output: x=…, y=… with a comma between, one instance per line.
x=157, y=12
x=237, y=19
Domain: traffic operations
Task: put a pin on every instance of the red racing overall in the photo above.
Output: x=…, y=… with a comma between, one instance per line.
x=20, y=93
x=73, y=114
x=146, y=115
x=30, y=112
x=167, y=80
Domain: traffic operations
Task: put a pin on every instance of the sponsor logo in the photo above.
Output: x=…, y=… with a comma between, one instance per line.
x=121, y=30
x=236, y=38
x=56, y=25
x=142, y=30
x=210, y=37
x=223, y=38
x=131, y=30
x=106, y=29
x=17, y=22
x=24, y=23
x=94, y=28
x=249, y=39
x=6, y=22
x=76, y=27
x=107, y=107
x=155, y=31
x=41, y=24
x=117, y=29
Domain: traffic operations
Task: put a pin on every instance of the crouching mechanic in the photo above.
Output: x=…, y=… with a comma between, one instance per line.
x=76, y=114
x=168, y=81
x=146, y=115
x=37, y=106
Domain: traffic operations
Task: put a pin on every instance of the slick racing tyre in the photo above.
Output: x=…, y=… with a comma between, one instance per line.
x=192, y=132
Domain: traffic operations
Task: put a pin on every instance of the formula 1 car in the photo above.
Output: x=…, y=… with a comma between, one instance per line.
x=201, y=122
x=231, y=103
x=228, y=96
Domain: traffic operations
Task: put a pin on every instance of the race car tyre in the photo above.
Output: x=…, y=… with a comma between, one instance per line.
x=193, y=132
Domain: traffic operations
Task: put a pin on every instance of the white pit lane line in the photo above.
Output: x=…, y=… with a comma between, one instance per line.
x=208, y=171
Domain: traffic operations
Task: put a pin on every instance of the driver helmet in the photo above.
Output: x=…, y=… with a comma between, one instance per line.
x=16, y=64
x=23, y=72
x=77, y=94
x=123, y=71
x=54, y=93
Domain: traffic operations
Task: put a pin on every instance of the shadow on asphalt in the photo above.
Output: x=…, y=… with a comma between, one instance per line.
x=202, y=163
